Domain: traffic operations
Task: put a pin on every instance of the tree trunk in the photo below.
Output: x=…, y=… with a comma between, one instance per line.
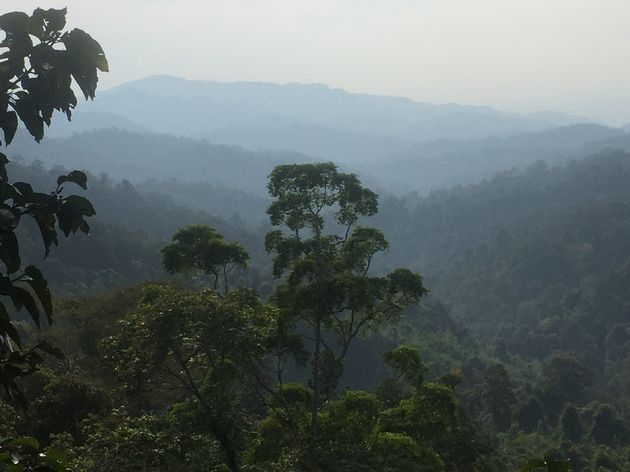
x=225, y=281
x=315, y=376
x=219, y=433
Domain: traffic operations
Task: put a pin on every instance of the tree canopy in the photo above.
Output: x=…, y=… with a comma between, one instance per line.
x=202, y=249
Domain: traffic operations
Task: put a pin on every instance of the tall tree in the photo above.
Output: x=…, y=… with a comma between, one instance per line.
x=38, y=62
x=325, y=258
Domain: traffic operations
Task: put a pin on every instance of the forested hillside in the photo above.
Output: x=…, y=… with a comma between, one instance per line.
x=527, y=315
x=444, y=163
x=138, y=157
x=231, y=179
x=535, y=265
x=126, y=237
x=523, y=259
x=253, y=277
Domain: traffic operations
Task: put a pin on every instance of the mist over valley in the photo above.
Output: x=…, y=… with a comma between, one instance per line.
x=314, y=237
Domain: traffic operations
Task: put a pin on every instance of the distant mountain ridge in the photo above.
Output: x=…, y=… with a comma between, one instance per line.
x=313, y=119
x=163, y=160
x=139, y=157
x=446, y=163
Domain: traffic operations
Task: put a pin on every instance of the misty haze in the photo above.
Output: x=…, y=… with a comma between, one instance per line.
x=288, y=236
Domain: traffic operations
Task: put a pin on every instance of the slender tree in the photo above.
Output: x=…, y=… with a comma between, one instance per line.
x=325, y=258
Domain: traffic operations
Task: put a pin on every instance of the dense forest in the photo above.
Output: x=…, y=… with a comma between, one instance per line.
x=526, y=320
x=458, y=305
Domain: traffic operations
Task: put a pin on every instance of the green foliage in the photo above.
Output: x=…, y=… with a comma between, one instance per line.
x=432, y=417
x=174, y=330
x=37, y=68
x=571, y=423
x=327, y=284
x=352, y=440
x=431, y=412
x=534, y=266
x=527, y=269
x=549, y=466
x=28, y=290
x=124, y=442
x=64, y=402
x=37, y=65
x=123, y=247
x=529, y=414
x=607, y=427
x=23, y=454
x=302, y=191
x=405, y=360
x=568, y=374
x=356, y=433
x=202, y=345
x=497, y=393
x=351, y=417
x=200, y=248
x=440, y=414
x=409, y=372
x=396, y=452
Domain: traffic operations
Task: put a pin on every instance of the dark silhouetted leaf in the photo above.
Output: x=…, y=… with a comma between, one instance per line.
x=28, y=112
x=10, y=252
x=86, y=56
x=23, y=299
x=9, y=125
x=3, y=167
x=39, y=285
x=6, y=327
x=15, y=22
x=55, y=20
x=24, y=188
x=49, y=349
x=72, y=212
x=76, y=177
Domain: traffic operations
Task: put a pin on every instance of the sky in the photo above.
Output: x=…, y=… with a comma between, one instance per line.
x=516, y=55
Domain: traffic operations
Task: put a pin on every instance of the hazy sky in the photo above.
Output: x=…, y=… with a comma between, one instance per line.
x=520, y=55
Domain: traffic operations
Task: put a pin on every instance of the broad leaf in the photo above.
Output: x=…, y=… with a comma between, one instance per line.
x=9, y=126
x=6, y=327
x=15, y=22
x=39, y=285
x=28, y=112
x=21, y=298
x=76, y=177
x=86, y=56
x=72, y=212
x=10, y=252
x=52, y=19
